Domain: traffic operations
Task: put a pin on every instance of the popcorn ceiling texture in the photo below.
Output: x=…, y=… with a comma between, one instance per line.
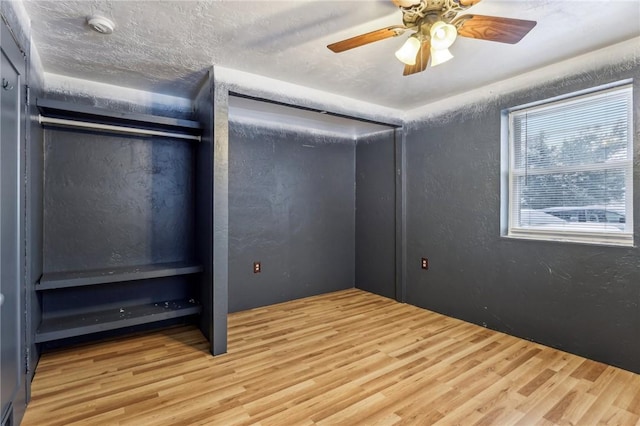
x=167, y=46
x=608, y=61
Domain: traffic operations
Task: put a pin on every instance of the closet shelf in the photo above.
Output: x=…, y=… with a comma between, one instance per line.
x=81, y=324
x=55, y=280
x=65, y=110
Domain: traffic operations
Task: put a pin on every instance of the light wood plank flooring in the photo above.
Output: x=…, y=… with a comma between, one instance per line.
x=345, y=358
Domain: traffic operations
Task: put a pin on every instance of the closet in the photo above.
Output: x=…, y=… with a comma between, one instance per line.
x=120, y=231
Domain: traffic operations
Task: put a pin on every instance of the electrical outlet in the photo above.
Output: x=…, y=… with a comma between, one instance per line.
x=424, y=263
x=257, y=267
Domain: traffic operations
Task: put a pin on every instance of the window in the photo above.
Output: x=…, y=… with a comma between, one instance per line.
x=568, y=169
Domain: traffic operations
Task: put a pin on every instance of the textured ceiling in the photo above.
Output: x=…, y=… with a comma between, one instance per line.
x=167, y=46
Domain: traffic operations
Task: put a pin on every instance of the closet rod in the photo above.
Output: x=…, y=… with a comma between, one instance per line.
x=109, y=127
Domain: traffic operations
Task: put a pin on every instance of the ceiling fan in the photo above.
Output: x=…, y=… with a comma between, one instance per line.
x=435, y=25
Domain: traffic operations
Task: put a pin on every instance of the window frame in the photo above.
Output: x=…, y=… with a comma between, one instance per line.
x=509, y=212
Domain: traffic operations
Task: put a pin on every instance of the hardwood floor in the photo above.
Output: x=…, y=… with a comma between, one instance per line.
x=345, y=358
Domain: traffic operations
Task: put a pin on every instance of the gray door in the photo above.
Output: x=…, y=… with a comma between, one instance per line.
x=9, y=233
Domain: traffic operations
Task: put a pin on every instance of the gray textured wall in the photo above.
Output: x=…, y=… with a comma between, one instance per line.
x=579, y=298
x=291, y=207
x=112, y=201
x=375, y=214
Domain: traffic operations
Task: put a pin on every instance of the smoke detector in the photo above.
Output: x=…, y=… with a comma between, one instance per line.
x=100, y=24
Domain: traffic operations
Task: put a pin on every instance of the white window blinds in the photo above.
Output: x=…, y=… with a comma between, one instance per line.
x=570, y=169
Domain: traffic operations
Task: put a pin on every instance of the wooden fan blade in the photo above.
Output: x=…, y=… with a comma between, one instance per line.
x=422, y=59
x=362, y=39
x=493, y=28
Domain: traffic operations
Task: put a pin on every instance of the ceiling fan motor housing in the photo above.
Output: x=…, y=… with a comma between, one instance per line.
x=430, y=11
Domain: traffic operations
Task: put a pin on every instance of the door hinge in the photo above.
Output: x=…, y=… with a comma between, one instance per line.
x=27, y=94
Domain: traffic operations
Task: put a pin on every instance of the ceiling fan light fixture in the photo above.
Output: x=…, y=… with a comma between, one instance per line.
x=442, y=35
x=409, y=50
x=433, y=34
x=440, y=56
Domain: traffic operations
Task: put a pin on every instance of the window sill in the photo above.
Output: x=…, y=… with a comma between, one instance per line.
x=591, y=238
